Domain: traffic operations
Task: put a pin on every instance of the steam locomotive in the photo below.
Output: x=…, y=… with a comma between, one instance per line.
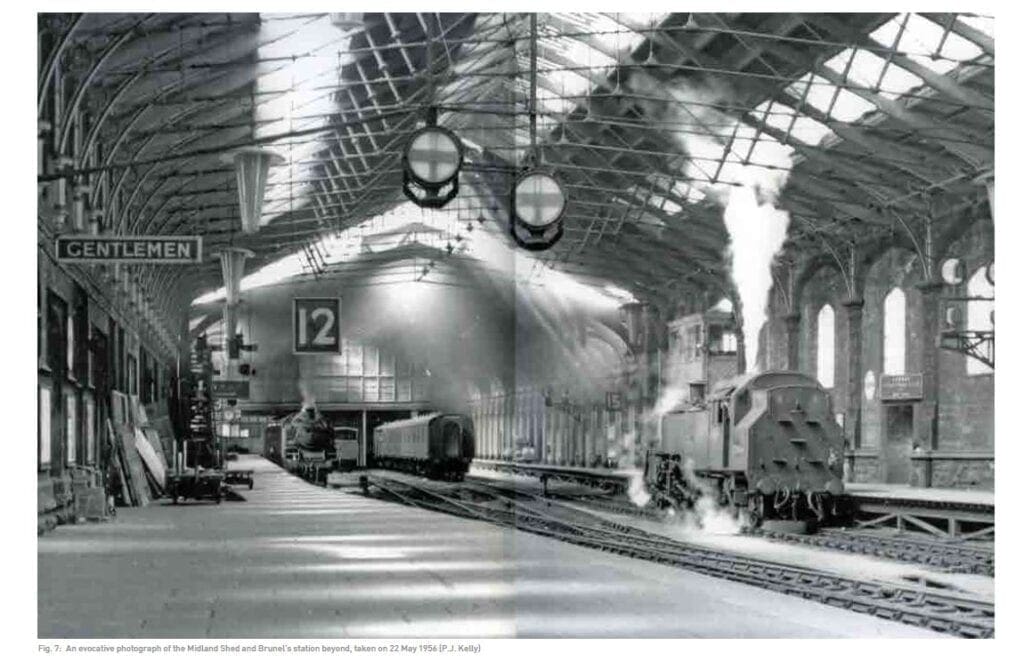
x=308, y=436
x=441, y=446
x=765, y=444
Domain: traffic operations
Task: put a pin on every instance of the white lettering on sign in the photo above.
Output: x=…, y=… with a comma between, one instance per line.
x=324, y=337
x=317, y=325
x=156, y=249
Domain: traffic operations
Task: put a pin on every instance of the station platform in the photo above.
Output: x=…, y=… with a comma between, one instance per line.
x=296, y=560
x=949, y=513
x=906, y=492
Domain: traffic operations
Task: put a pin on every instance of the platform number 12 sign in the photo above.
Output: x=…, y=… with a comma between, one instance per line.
x=317, y=325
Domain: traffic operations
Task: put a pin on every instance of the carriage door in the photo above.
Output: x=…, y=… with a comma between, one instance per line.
x=899, y=439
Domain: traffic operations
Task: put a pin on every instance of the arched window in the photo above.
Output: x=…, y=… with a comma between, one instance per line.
x=826, y=346
x=979, y=314
x=894, y=333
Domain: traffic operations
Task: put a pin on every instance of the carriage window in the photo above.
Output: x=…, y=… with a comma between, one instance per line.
x=894, y=333
x=697, y=393
x=826, y=346
x=721, y=340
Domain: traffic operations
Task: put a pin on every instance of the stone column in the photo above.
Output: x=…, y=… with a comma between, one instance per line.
x=363, y=443
x=537, y=417
x=591, y=446
x=508, y=424
x=565, y=437
x=854, y=372
x=926, y=412
x=548, y=433
x=792, y=340
x=493, y=427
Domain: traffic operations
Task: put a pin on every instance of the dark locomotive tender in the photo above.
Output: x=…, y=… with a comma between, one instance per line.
x=435, y=445
x=309, y=436
x=766, y=444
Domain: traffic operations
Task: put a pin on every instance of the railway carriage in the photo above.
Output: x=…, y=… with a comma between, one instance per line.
x=346, y=447
x=436, y=445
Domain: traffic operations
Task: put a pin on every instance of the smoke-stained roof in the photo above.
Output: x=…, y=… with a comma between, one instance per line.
x=645, y=118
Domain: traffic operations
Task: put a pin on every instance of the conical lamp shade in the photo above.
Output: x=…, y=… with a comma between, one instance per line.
x=232, y=265
x=252, y=165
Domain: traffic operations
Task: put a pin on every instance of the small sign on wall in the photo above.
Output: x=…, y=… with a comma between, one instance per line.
x=231, y=389
x=317, y=325
x=613, y=401
x=901, y=387
x=147, y=250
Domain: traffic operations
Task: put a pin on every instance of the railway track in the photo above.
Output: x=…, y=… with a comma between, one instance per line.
x=944, y=556
x=525, y=511
x=958, y=557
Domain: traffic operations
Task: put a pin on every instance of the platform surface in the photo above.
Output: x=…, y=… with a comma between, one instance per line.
x=296, y=560
x=905, y=492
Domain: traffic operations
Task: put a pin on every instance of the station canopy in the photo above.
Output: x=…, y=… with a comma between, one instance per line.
x=845, y=121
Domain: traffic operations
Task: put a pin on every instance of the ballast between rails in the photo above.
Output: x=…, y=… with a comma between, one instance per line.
x=949, y=556
x=609, y=482
x=918, y=607
x=938, y=555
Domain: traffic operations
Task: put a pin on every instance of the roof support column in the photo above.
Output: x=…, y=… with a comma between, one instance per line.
x=854, y=373
x=926, y=412
x=792, y=321
x=547, y=432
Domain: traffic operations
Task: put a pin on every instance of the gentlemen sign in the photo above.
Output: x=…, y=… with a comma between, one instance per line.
x=317, y=325
x=901, y=387
x=155, y=249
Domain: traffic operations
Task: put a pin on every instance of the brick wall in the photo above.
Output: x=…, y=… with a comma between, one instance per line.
x=966, y=403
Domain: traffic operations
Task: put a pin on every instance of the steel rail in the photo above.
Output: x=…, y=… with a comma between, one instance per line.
x=947, y=613
x=944, y=556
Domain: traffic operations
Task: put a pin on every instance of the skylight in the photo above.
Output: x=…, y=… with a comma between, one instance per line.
x=985, y=24
x=379, y=233
x=786, y=119
x=298, y=55
x=874, y=73
x=837, y=102
x=929, y=44
x=620, y=293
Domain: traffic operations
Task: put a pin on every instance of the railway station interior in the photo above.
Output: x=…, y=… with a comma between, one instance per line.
x=513, y=325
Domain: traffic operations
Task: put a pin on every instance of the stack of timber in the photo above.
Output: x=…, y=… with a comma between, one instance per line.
x=138, y=452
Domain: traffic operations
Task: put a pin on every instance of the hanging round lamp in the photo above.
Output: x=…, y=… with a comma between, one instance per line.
x=430, y=166
x=539, y=200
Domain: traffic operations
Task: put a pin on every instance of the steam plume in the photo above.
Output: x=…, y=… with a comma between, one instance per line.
x=756, y=228
x=308, y=397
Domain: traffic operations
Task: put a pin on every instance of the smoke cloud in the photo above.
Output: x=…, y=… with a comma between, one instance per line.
x=756, y=169
x=308, y=397
x=757, y=232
